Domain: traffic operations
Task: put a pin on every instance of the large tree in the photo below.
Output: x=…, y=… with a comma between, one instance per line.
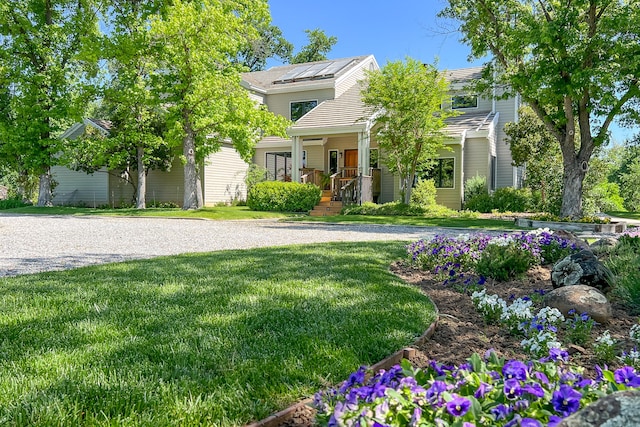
x=128, y=101
x=267, y=43
x=42, y=43
x=406, y=98
x=317, y=49
x=200, y=82
x=571, y=61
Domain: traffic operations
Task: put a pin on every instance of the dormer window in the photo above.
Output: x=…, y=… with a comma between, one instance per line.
x=459, y=102
x=300, y=108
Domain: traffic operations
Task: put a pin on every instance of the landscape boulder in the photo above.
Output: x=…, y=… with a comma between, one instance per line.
x=620, y=409
x=567, y=235
x=582, y=299
x=603, y=245
x=582, y=268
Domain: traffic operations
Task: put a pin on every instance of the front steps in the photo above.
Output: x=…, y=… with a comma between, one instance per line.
x=326, y=207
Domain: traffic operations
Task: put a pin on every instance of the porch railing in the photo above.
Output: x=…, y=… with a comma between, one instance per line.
x=357, y=191
x=311, y=176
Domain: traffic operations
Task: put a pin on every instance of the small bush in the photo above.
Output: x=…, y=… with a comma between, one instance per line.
x=424, y=193
x=283, y=196
x=623, y=263
x=402, y=209
x=480, y=203
x=256, y=174
x=504, y=262
x=475, y=186
x=11, y=203
x=163, y=205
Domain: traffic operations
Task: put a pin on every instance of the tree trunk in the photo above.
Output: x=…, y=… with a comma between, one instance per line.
x=142, y=179
x=572, y=181
x=190, y=171
x=45, y=194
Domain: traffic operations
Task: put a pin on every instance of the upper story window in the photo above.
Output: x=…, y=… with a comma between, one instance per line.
x=464, y=101
x=300, y=108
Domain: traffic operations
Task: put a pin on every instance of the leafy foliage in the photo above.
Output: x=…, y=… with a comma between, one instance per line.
x=283, y=196
x=316, y=50
x=406, y=99
x=572, y=62
x=45, y=69
x=424, y=193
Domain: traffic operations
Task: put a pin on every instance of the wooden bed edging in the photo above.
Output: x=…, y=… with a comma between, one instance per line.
x=280, y=417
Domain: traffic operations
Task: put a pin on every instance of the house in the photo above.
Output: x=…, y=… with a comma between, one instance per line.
x=330, y=142
x=332, y=134
x=222, y=176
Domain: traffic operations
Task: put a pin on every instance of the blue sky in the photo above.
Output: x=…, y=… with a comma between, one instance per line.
x=390, y=30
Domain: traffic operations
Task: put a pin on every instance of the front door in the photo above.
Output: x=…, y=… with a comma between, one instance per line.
x=350, y=163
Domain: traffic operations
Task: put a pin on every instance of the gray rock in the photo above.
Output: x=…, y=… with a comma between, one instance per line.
x=568, y=235
x=603, y=245
x=582, y=268
x=582, y=299
x=620, y=409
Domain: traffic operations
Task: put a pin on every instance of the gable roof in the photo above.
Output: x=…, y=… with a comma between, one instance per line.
x=294, y=76
x=474, y=122
x=104, y=126
x=463, y=75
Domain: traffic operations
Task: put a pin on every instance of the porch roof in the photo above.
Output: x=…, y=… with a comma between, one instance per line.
x=347, y=113
x=470, y=122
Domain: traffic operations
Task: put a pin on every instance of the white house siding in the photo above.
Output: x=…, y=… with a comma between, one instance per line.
x=256, y=97
x=279, y=103
x=224, y=174
x=452, y=197
x=389, y=185
x=79, y=188
x=340, y=143
x=354, y=77
x=507, y=110
x=315, y=156
x=476, y=158
x=121, y=192
x=166, y=186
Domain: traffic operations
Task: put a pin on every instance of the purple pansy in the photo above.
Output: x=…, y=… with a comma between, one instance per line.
x=512, y=389
x=566, y=400
x=554, y=420
x=534, y=389
x=458, y=406
x=515, y=369
x=627, y=376
x=530, y=422
x=482, y=390
x=500, y=411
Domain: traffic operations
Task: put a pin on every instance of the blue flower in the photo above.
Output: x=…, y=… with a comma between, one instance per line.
x=458, y=406
x=515, y=369
x=530, y=422
x=627, y=376
x=534, y=389
x=415, y=418
x=566, y=400
x=482, y=390
x=554, y=420
x=512, y=389
x=500, y=412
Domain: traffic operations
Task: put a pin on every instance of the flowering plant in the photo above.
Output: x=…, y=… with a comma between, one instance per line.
x=484, y=391
x=604, y=347
x=578, y=327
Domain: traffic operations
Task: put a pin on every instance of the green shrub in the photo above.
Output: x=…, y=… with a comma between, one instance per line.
x=623, y=262
x=512, y=199
x=480, y=203
x=504, y=262
x=11, y=203
x=402, y=209
x=604, y=197
x=475, y=186
x=256, y=174
x=424, y=193
x=283, y=196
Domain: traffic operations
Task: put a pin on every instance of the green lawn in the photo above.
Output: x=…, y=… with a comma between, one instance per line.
x=220, y=213
x=493, y=224
x=207, y=339
x=625, y=214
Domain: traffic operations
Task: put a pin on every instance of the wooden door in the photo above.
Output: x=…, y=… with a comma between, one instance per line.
x=350, y=163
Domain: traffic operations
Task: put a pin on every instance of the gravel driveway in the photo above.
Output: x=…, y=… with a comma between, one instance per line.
x=35, y=243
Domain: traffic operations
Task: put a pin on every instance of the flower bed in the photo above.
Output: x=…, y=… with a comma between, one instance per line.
x=613, y=227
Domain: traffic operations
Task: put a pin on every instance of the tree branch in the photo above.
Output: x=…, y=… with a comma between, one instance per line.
x=634, y=90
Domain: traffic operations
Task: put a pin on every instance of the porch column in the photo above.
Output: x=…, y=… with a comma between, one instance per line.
x=296, y=158
x=364, y=146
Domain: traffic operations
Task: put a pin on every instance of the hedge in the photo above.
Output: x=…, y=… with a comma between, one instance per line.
x=283, y=196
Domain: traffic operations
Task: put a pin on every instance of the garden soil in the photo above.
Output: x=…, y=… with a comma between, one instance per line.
x=461, y=331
